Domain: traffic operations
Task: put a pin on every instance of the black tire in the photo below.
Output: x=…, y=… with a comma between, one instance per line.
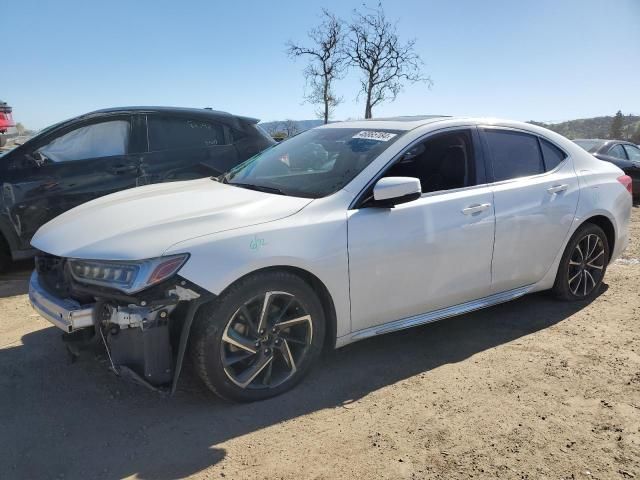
x=3, y=141
x=5, y=254
x=289, y=299
x=572, y=283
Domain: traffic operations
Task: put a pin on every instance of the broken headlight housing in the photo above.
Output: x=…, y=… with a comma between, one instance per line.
x=126, y=276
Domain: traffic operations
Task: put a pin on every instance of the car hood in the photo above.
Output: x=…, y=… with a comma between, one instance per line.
x=144, y=222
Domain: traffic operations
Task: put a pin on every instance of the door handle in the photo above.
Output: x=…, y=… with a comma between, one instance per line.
x=471, y=209
x=557, y=188
x=120, y=169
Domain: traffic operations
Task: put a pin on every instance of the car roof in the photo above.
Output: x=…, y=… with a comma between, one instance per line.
x=192, y=112
x=389, y=123
x=603, y=140
x=406, y=123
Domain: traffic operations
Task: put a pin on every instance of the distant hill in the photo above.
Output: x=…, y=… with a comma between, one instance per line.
x=596, y=127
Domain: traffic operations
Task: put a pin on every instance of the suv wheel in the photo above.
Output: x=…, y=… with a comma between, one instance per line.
x=260, y=338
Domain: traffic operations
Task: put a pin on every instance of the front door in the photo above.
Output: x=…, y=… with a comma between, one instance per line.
x=70, y=168
x=430, y=253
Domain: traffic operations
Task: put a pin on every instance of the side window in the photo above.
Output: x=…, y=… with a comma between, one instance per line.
x=513, y=154
x=104, y=139
x=552, y=155
x=633, y=152
x=170, y=133
x=442, y=162
x=617, y=151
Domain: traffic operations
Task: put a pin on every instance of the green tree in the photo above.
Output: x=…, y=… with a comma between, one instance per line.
x=635, y=138
x=615, y=131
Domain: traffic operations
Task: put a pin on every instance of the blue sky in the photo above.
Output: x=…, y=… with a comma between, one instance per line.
x=546, y=60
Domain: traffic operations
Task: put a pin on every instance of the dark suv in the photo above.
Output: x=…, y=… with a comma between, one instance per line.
x=110, y=150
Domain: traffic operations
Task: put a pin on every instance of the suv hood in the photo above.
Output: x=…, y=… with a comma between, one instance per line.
x=144, y=222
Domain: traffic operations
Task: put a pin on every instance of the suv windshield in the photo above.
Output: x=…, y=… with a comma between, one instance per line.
x=313, y=164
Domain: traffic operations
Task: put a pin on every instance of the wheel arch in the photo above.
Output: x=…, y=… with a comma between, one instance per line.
x=601, y=218
x=607, y=226
x=318, y=286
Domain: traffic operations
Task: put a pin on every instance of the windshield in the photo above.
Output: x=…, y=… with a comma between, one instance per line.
x=589, y=145
x=314, y=163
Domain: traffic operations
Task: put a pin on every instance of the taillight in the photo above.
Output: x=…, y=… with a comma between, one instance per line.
x=625, y=180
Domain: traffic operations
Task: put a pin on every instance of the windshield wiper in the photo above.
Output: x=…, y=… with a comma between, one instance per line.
x=259, y=188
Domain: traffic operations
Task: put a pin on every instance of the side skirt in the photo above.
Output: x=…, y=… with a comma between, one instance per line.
x=435, y=315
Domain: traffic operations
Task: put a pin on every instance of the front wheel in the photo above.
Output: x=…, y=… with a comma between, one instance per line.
x=260, y=338
x=583, y=264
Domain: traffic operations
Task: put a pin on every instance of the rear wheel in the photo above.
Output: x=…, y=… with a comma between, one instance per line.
x=260, y=338
x=583, y=264
x=3, y=140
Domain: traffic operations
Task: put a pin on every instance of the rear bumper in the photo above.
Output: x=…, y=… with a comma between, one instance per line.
x=66, y=314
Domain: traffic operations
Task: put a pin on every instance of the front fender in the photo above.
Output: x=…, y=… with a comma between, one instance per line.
x=316, y=245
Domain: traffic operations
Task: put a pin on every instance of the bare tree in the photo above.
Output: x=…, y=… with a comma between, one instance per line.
x=385, y=62
x=271, y=128
x=290, y=127
x=327, y=63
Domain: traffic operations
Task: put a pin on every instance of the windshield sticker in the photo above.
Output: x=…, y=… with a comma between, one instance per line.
x=373, y=135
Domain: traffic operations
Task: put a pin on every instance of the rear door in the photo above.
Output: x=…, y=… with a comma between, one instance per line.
x=184, y=148
x=67, y=168
x=633, y=170
x=535, y=191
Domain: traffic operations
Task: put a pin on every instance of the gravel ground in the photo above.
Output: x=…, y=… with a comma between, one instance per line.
x=530, y=389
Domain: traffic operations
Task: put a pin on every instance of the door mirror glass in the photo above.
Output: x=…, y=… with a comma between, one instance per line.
x=390, y=191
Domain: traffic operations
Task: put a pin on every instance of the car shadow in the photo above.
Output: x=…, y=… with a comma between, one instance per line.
x=15, y=279
x=80, y=421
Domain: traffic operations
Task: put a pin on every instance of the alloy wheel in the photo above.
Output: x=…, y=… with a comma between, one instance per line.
x=266, y=340
x=586, y=265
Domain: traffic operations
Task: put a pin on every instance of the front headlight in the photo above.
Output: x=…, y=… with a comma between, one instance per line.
x=126, y=276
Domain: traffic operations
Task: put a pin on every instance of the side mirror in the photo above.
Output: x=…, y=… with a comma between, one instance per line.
x=391, y=191
x=35, y=158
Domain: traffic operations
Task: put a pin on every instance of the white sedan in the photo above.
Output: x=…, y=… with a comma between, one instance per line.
x=343, y=232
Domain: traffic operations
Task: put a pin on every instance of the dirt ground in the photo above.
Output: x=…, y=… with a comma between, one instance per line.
x=530, y=389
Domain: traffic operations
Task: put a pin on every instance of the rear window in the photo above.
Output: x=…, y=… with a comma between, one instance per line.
x=633, y=152
x=170, y=133
x=552, y=155
x=617, y=151
x=513, y=154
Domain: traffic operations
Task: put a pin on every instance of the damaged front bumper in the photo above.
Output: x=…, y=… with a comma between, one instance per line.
x=145, y=334
x=66, y=314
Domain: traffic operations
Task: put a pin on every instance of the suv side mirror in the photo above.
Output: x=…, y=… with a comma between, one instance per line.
x=35, y=158
x=390, y=191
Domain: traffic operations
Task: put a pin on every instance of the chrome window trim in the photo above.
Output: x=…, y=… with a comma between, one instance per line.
x=375, y=178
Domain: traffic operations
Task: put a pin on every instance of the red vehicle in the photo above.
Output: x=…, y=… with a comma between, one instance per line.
x=6, y=121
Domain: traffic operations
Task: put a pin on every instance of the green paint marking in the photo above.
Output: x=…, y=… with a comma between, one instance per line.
x=257, y=243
